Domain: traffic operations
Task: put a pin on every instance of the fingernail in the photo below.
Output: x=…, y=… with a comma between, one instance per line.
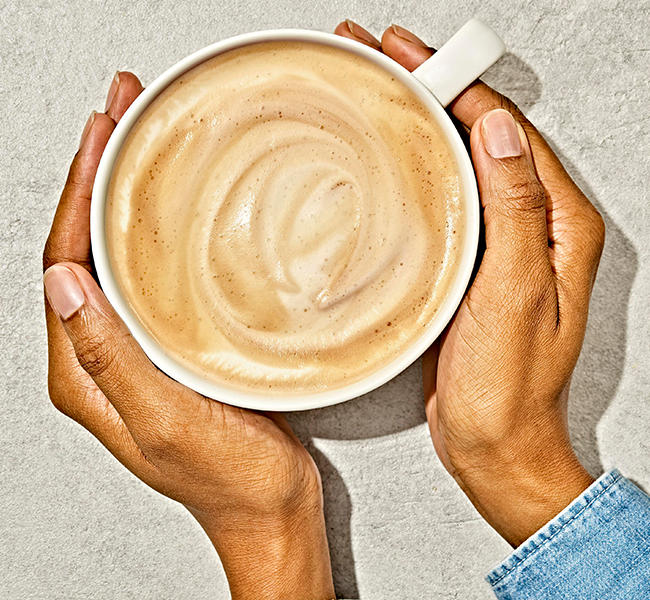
x=112, y=90
x=63, y=291
x=362, y=34
x=500, y=134
x=405, y=34
x=87, y=127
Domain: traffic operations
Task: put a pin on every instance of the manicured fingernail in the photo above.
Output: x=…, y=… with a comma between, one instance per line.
x=405, y=34
x=112, y=90
x=63, y=291
x=359, y=32
x=87, y=127
x=500, y=134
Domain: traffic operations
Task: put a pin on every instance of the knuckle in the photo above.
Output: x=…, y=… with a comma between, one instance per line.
x=588, y=238
x=73, y=404
x=59, y=248
x=528, y=297
x=76, y=183
x=54, y=251
x=488, y=102
x=166, y=434
x=523, y=196
x=537, y=300
x=97, y=354
x=596, y=230
x=57, y=395
x=68, y=399
x=162, y=440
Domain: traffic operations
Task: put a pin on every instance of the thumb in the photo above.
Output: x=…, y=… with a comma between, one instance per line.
x=104, y=346
x=513, y=198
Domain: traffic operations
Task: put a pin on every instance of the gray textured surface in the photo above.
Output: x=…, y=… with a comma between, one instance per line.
x=75, y=524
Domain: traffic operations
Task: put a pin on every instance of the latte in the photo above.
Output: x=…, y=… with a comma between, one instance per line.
x=285, y=218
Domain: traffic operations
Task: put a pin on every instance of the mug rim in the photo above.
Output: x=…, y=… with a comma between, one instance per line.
x=295, y=402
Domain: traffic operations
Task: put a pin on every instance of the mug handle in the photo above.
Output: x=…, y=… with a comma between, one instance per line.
x=465, y=57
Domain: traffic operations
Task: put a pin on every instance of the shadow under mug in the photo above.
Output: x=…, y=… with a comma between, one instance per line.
x=470, y=52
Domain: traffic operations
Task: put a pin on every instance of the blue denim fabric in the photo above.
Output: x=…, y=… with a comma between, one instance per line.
x=596, y=548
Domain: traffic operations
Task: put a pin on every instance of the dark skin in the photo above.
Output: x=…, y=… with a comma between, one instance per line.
x=243, y=474
x=496, y=383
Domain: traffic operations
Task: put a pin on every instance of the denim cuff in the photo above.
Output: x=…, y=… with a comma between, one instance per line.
x=597, y=547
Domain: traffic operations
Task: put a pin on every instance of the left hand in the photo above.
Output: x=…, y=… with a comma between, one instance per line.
x=243, y=474
x=496, y=383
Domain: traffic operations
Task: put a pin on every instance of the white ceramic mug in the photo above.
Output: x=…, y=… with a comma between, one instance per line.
x=436, y=82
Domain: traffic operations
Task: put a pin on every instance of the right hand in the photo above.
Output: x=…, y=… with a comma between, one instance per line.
x=496, y=383
x=243, y=474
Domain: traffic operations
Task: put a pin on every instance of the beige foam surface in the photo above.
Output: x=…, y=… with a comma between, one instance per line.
x=285, y=218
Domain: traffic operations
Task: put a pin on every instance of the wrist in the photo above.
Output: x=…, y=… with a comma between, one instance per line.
x=273, y=556
x=518, y=495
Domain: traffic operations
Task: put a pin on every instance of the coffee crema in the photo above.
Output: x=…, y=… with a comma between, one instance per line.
x=285, y=218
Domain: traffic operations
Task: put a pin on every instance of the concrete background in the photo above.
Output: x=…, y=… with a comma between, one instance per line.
x=75, y=524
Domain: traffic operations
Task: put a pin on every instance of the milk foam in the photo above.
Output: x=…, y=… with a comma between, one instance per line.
x=285, y=218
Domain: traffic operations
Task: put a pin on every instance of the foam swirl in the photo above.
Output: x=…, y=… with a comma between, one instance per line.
x=274, y=226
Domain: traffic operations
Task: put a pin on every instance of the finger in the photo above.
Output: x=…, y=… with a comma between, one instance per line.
x=351, y=30
x=151, y=405
x=513, y=198
x=410, y=51
x=405, y=47
x=124, y=89
x=576, y=241
x=477, y=100
x=575, y=228
x=74, y=393
x=84, y=403
x=69, y=238
x=65, y=374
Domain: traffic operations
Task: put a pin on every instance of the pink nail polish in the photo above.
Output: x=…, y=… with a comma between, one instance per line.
x=112, y=90
x=87, y=127
x=63, y=291
x=500, y=134
x=405, y=34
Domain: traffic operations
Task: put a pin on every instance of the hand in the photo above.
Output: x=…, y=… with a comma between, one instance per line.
x=244, y=475
x=496, y=383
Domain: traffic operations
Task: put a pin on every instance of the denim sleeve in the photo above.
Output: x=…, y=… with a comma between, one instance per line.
x=597, y=547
